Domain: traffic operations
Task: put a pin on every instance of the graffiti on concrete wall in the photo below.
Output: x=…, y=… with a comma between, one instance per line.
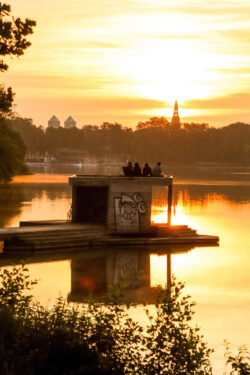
x=128, y=210
x=132, y=269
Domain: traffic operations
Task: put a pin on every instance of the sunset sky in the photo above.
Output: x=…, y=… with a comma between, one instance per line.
x=128, y=60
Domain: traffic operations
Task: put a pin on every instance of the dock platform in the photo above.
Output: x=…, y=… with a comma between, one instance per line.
x=52, y=235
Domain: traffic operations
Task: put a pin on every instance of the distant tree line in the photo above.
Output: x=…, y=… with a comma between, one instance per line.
x=153, y=140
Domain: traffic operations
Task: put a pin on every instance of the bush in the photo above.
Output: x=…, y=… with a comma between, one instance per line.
x=96, y=338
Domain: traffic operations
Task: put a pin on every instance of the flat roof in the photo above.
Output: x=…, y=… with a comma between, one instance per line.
x=100, y=180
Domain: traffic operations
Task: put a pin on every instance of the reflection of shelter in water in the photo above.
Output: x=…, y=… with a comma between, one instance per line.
x=125, y=270
x=121, y=203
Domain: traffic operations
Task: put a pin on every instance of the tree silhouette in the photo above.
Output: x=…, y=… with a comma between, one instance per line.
x=13, y=42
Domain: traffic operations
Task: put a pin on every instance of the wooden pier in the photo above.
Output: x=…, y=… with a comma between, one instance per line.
x=51, y=236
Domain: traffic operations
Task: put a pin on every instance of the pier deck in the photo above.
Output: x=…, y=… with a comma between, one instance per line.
x=51, y=235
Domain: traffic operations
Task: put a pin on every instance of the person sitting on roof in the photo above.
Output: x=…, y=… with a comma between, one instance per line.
x=128, y=170
x=157, y=170
x=137, y=170
x=147, y=171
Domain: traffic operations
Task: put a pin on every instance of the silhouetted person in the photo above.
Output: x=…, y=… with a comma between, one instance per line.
x=147, y=171
x=157, y=170
x=128, y=170
x=137, y=170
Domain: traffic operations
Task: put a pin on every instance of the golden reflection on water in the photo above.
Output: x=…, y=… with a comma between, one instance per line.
x=196, y=213
x=217, y=278
x=159, y=208
x=39, y=178
x=45, y=208
x=34, y=197
x=42, y=208
x=158, y=270
x=53, y=280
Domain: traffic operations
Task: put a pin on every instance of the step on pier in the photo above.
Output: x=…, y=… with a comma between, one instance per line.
x=34, y=236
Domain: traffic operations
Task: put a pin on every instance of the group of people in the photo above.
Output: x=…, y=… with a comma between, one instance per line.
x=130, y=171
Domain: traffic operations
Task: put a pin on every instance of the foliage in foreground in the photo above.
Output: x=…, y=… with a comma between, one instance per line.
x=97, y=338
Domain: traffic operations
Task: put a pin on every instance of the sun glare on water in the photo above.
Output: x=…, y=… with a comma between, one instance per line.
x=160, y=215
x=158, y=270
x=179, y=214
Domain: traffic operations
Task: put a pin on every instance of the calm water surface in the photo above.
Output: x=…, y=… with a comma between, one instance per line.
x=213, y=201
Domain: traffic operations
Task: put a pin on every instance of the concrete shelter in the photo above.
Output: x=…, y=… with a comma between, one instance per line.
x=123, y=204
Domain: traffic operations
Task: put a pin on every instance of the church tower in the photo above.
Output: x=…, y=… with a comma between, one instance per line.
x=176, y=119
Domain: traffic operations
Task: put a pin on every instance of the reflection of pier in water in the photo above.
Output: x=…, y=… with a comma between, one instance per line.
x=126, y=270
x=94, y=273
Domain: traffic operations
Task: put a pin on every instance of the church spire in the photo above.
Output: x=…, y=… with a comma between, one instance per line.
x=176, y=119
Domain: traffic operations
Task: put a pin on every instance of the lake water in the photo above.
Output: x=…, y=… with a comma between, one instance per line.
x=212, y=200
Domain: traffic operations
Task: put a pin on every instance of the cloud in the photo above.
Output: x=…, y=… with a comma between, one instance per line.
x=235, y=71
x=170, y=35
x=217, y=8
x=233, y=101
x=108, y=47
x=220, y=120
x=239, y=35
x=88, y=11
x=87, y=109
x=129, y=111
x=81, y=44
x=95, y=105
x=57, y=82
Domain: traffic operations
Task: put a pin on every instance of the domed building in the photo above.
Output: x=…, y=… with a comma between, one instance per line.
x=69, y=123
x=54, y=122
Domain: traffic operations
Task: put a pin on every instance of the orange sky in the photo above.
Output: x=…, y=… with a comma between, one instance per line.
x=128, y=60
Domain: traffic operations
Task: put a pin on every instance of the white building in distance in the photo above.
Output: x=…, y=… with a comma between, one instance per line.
x=69, y=123
x=54, y=122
